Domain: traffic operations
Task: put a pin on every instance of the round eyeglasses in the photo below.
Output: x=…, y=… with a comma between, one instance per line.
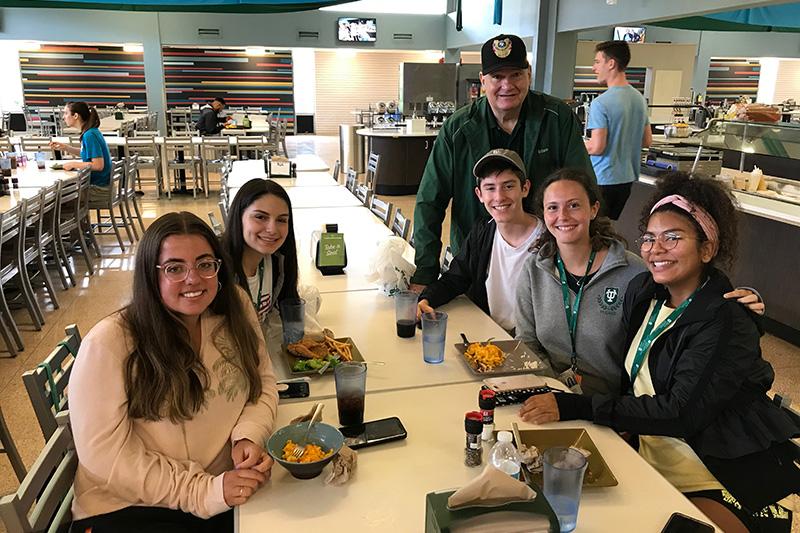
x=177, y=272
x=667, y=240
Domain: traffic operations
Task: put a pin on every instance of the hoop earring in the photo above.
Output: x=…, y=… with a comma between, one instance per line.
x=219, y=286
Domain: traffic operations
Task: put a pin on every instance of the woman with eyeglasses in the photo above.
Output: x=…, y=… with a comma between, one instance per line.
x=694, y=383
x=570, y=292
x=172, y=397
x=259, y=238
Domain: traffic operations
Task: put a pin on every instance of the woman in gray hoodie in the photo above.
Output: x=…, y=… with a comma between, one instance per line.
x=569, y=294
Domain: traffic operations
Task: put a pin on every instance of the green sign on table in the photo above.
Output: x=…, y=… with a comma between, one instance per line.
x=331, y=250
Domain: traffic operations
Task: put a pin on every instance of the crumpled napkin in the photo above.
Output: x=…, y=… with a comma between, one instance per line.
x=491, y=486
x=343, y=464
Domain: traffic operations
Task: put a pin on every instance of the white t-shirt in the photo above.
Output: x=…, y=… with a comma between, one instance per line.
x=501, y=280
x=671, y=456
x=264, y=306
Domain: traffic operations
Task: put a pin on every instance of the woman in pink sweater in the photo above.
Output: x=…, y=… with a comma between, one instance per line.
x=172, y=398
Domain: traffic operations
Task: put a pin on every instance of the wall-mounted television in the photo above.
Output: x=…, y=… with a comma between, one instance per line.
x=357, y=30
x=631, y=34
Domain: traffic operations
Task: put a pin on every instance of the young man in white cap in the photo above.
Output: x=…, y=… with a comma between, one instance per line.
x=491, y=258
x=541, y=129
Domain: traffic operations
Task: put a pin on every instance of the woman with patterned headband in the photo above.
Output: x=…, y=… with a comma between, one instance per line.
x=695, y=384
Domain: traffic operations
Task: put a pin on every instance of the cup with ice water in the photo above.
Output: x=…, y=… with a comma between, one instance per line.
x=563, y=481
x=293, y=312
x=434, y=331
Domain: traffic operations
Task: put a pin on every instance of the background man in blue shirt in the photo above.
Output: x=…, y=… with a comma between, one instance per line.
x=620, y=127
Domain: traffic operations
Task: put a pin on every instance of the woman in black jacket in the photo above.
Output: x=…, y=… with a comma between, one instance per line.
x=696, y=385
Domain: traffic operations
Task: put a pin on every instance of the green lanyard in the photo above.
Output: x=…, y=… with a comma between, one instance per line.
x=257, y=301
x=572, y=309
x=650, y=334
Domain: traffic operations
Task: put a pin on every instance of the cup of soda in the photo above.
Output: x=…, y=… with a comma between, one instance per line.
x=351, y=385
x=293, y=313
x=40, y=159
x=405, y=308
x=434, y=331
x=563, y=481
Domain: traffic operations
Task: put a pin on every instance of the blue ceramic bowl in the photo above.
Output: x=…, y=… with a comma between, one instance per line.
x=324, y=435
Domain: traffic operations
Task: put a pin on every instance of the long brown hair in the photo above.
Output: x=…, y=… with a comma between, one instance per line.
x=164, y=377
x=88, y=115
x=601, y=231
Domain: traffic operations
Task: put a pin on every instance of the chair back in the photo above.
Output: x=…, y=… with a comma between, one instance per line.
x=351, y=180
x=44, y=498
x=146, y=133
x=448, y=258
x=84, y=182
x=143, y=146
x=216, y=225
x=37, y=144
x=47, y=382
x=175, y=146
x=363, y=194
x=118, y=182
x=31, y=226
x=223, y=210
x=400, y=224
x=335, y=173
x=5, y=143
x=381, y=209
x=373, y=164
x=51, y=207
x=131, y=173
x=68, y=201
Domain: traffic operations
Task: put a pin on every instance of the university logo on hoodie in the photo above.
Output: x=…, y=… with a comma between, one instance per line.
x=611, y=299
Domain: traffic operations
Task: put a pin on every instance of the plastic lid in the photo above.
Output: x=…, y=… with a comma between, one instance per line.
x=504, y=436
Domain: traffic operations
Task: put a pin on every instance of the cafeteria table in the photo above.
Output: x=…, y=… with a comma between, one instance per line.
x=368, y=318
x=30, y=176
x=313, y=197
x=387, y=491
x=246, y=170
x=15, y=196
x=362, y=230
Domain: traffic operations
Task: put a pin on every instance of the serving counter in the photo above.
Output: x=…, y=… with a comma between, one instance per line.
x=403, y=158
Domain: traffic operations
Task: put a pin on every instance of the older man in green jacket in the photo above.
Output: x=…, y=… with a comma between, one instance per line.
x=539, y=127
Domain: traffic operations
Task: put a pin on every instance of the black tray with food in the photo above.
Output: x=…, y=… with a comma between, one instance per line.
x=308, y=356
x=499, y=357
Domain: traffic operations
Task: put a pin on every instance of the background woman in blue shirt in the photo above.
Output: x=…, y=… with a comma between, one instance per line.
x=93, y=152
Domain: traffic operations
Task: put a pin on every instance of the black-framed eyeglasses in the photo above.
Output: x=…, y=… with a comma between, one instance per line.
x=177, y=272
x=668, y=240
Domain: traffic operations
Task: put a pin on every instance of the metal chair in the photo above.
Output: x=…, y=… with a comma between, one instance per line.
x=351, y=180
x=181, y=156
x=130, y=199
x=86, y=231
x=5, y=143
x=68, y=224
x=373, y=164
x=47, y=382
x=251, y=144
x=10, y=222
x=216, y=225
x=400, y=224
x=363, y=194
x=48, y=240
x=146, y=133
x=335, y=173
x=381, y=209
x=10, y=449
x=223, y=210
x=112, y=201
x=149, y=155
x=44, y=498
x=31, y=253
x=448, y=258
x=214, y=151
x=37, y=144
x=179, y=121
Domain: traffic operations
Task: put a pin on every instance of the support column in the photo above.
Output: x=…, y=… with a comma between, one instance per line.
x=452, y=55
x=553, y=61
x=154, y=76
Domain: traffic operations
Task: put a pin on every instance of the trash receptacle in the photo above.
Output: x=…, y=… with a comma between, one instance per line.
x=351, y=147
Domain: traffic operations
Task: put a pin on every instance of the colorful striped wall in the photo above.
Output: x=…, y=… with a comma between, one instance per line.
x=731, y=77
x=99, y=75
x=586, y=81
x=195, y=75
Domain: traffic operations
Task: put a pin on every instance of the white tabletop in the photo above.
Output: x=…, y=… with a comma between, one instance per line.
x=387, y=492
x=308, y=179
x=246, y=170
x=396, y=132
x=362, y=230
x=368, y=317
x=310, y=163
x=15, y=196
x=258, y=125
x=30, y=176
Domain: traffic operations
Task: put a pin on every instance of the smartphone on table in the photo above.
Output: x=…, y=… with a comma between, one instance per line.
x=375, y=432
x=680, y=523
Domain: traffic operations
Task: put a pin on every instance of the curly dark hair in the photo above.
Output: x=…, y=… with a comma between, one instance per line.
x=601, y=230
x=709, y=194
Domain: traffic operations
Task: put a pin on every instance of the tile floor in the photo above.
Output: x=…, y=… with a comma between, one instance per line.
x=108, y=290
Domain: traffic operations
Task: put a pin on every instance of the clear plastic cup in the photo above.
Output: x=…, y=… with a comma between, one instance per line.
x=40, y=159
x=351, y=384
x=434, y=331
x=293, y=314
x=563, y=481
x=405, y=308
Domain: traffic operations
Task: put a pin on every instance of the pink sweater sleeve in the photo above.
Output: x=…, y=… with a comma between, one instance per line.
x=110, y=452
x=257, y=419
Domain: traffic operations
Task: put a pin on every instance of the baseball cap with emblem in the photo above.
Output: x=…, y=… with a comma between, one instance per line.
x=503, y=51
x=509, y=156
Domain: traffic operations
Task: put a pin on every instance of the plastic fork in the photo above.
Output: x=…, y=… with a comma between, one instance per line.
x=300, y=449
